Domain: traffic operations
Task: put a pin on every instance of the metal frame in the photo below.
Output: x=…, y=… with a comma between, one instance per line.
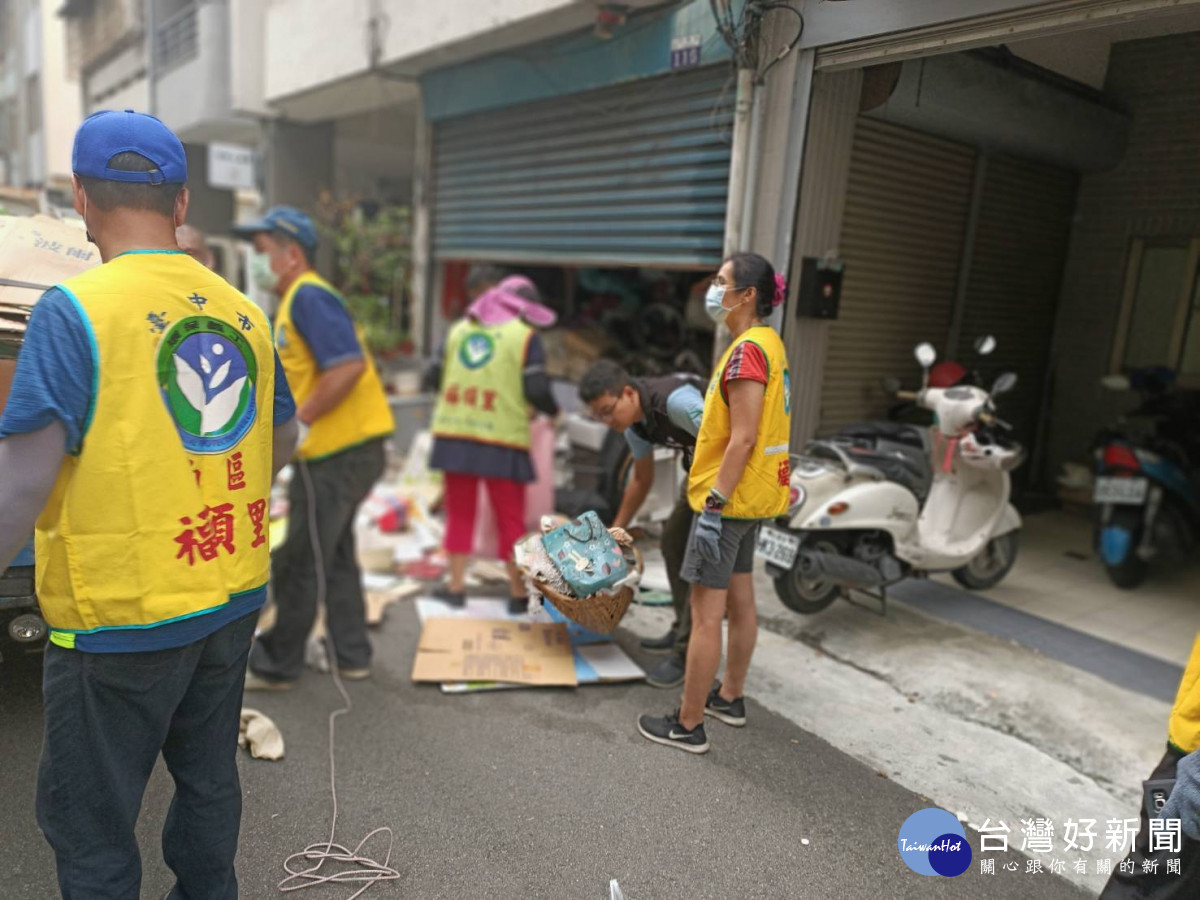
x=1183, y=304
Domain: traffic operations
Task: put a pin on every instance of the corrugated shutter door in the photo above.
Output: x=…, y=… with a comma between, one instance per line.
x=630, y=175
x=1016, y=275
x=906, y=214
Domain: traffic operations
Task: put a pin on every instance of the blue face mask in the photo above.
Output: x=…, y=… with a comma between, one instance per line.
x=713, y=300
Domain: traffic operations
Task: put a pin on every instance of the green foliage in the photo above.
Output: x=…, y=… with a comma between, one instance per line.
x=372, y=247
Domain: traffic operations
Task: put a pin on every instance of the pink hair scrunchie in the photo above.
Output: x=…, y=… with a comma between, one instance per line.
x=780, y=290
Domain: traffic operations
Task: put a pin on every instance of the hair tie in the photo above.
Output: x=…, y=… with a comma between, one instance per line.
x=780, y=290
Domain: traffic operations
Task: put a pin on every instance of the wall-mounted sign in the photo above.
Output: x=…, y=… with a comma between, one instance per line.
x=685, y=51
x=230, y=166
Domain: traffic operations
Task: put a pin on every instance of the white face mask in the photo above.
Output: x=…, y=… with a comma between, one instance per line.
x=260, y=271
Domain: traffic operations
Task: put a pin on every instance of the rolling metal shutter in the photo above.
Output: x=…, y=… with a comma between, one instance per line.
x=1015, y=280
x=630, y=175
x=906, y=214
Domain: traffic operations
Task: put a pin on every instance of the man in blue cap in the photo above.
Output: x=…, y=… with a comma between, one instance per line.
x=344, y=418
x=148, y=416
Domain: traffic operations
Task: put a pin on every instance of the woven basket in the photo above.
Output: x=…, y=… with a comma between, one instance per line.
x=600, y=613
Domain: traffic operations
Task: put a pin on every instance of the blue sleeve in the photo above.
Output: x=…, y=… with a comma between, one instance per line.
x=56, y=366
x=326, y=326
x=638, y=446
x=685, y=408
x=285, y=406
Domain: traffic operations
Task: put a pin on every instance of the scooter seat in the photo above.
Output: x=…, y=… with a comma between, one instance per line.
x=898, y=463
x=900, y=432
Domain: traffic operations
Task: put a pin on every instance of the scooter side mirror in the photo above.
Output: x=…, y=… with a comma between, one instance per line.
x=925, y=354
x=891, y=384
x=1115, y=382
x=986, y=345
x=1004, y=383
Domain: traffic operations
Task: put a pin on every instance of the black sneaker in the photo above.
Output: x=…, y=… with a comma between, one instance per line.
x=731, y=712
x=667, y=730
x=667, y=674
x=456, y=599
x=518, y=606
x=660, y=644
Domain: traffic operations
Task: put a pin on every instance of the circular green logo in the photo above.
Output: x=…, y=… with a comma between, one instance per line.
x=477, y=350
x=207, y=374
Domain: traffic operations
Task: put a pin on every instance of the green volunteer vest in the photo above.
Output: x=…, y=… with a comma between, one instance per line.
x=483, y=395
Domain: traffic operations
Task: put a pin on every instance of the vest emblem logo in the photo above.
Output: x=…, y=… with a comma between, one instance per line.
x=477, y=350
x=787, y=392
x=207, y=374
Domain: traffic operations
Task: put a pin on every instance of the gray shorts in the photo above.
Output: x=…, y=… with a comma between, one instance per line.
x=738, y=540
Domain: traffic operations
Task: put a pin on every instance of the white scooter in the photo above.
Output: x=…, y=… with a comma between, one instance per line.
x=855, y=525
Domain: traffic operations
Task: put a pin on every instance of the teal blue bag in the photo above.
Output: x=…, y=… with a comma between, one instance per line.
x=586, y=555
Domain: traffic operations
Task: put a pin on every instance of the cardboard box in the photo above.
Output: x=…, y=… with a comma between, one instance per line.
x=42, y=251
x=516, y=652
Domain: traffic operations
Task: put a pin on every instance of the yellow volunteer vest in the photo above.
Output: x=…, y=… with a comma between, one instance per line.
x=363, y=415
x=163, y=514
x=764, y=490
x=483, y=392
x=1184, y=729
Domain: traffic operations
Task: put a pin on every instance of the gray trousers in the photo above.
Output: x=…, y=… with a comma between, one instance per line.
x=676, y=531
x=339, y=485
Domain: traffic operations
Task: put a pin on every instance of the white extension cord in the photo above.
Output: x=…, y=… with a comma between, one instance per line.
x=362, y=868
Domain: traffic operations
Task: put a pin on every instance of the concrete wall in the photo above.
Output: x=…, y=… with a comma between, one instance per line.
x=120, y=82
x=247, y=51
x=1154, y=192
x=209, y=209
x=62, y=109
x=198, y=91
x=414, y=36
x=300, y=56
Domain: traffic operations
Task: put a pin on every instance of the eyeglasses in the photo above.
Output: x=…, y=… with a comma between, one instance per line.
x=728, y=287
x=607, y=414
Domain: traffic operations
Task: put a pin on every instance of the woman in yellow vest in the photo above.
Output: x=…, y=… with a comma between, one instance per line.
x=739, y=477
x=490, y=381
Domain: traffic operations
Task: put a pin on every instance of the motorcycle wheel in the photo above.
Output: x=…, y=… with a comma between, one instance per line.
x=806, y=596
x=1131, y=571
x=991, y=565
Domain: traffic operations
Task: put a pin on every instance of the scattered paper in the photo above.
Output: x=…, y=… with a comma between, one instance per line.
x=374, y=581
x=607, y=663
x=379, y=601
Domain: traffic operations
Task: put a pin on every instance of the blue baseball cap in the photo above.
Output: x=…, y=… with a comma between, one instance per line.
x=105, y=134
x=288, y=219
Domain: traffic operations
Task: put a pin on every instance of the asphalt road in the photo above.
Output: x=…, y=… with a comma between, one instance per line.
x=530, y=794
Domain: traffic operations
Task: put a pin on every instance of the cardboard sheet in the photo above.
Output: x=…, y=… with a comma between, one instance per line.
x=596, y=658
x=537, y=653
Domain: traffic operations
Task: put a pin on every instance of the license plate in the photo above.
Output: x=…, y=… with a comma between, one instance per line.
x=778, y=547
x=1121, y=491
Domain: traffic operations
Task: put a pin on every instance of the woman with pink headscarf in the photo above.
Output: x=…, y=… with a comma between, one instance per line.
x=490, y=382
